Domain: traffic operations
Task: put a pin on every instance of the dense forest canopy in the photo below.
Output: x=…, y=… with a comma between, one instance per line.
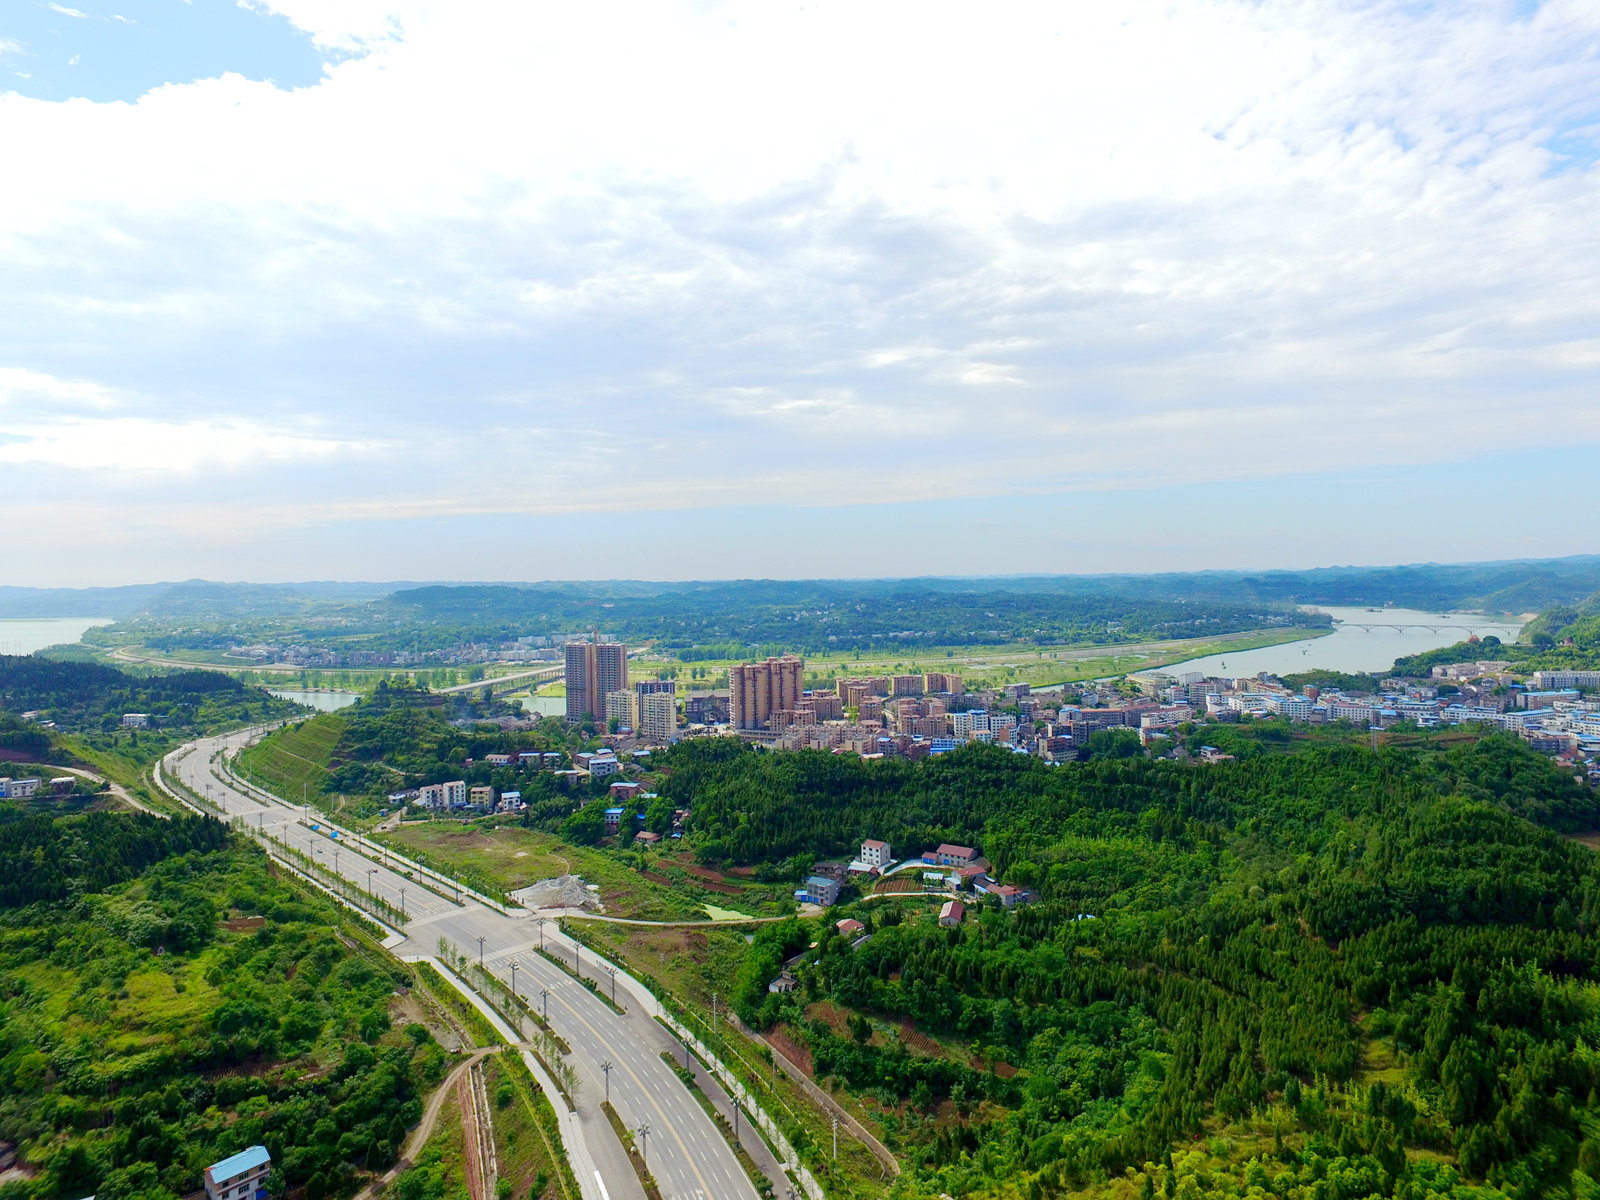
x=146, y=1030
x=81, y=696
x=1208, y=943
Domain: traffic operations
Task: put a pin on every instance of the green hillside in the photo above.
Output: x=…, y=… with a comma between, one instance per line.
x=297, y=760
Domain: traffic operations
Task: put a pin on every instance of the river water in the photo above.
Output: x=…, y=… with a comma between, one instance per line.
x=1351, y=648
x=321, y=701
x=24, y=635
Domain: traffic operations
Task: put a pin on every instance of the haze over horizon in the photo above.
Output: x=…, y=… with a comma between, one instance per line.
x=386, y=289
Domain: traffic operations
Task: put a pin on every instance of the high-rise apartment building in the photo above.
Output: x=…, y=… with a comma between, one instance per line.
x=623, y=708
x=757, y=690
x=658, y=718
x=936, y=681
x=595, y=669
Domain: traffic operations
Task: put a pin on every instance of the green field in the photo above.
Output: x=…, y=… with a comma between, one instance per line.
x=293, y=762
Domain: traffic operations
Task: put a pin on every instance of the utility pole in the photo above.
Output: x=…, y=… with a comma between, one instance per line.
x=836, y=1139
x=713, y=1016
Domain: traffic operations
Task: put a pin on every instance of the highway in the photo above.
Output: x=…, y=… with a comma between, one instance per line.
x=685, y=1151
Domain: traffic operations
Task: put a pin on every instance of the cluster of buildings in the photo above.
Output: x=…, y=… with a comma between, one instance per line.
x=946, y=868
x=456, y=795
x=597, y=690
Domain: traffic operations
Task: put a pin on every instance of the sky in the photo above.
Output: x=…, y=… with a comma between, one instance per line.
x=376, y=289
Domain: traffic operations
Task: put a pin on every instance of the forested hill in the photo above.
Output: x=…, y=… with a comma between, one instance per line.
x=81, y=696
x=750, y=806
x=1390, y=960
x=55, y=859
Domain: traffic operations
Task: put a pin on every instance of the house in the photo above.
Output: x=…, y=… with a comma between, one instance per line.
x=1210, y=754
x=646, y=838
x=849, y=926
x=1010, y=895
x=613, y=819
x=510, y=801
x=497, y=760
x=819, y=890
x=135, y=720
x=624, y=791
x=17, y=789
x=481, y=797
x=455, y=793
x=875, y=854
x=970, y=875
x=833, y=870
x=954, y=856
x=242, y=1176
x=602, y=765
x=783, y=984
x=951, y=913
x=431, y=795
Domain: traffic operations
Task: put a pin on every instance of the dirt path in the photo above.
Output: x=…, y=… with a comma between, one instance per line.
x=890, y=1165
x=430, y=1117
x=114, y=789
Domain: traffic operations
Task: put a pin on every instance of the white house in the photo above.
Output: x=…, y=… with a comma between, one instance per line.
x=875, y=854
x=242, y=1176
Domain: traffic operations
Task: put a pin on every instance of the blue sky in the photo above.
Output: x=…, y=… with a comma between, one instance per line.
x=119, y=50
x=394, y=289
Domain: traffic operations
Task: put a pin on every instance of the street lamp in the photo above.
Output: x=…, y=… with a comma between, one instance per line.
x=514, y=984
x=402, y=902
x=480, y=952
x=612, y=971
x=605, y=1067
x=541, y=935
x=644, y=1142
x=544, y=995
x=370, y=892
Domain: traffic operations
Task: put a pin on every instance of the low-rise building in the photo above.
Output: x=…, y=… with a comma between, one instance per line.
x=951, y=913
x=241, y=1176
x=481, y=797
x=948, y=855
x=820, y=890
x=135, y=720
x=875, y=854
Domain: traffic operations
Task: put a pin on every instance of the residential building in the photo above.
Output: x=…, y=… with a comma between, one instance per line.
x=964, y=724
x=481, y=797
x=905, y=685
x=951, y=913
x=497, y=760
x=948, y=855
x=242, y=1176
x=875, y=854
x=135, y=720
x=18, y=789
x=658, y=718
x=656, y=687
x=455, y=792
x=757, y=690
x=849, y=927
x=431, y=795
x=594, y=669
x=937, y=681
x=819, y=889
x=1583, y=680
x=622, y=707
x=613, y=819
x=599, y=765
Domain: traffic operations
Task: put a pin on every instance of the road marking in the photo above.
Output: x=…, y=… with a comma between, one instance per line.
x=604, y=1195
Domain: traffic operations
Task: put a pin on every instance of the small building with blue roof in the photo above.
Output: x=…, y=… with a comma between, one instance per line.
x=241, y=1176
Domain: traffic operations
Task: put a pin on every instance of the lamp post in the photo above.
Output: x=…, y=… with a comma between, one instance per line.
x=544, y=996
x=541, y=935
x=605, y=1069
x=644, y=1143
x=370, y=892
x=480, y=952
x=402, y=902
x=612, y=971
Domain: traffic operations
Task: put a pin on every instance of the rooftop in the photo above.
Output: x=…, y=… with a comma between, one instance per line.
x=238, y=1164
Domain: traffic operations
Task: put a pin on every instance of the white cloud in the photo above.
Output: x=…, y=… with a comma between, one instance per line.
x=67, y=12
x=867, y=251
x=135, y=445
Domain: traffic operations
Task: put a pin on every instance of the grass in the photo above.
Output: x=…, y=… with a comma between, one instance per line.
x=513, y=857
x=294, y=761
x=527, y=1160
x=982, y=666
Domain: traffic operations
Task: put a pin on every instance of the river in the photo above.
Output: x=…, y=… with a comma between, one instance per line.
x=321, y=701
x=24, y=635
x=1351, y=648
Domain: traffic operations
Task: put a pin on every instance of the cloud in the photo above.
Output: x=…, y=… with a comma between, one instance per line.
x=676, y=256
x=68, y=12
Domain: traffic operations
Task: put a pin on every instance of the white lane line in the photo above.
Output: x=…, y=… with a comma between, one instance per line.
x=604, y=1195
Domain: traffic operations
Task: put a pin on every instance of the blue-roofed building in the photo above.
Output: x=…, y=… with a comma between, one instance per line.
x=820, y=890
x=242, y=1176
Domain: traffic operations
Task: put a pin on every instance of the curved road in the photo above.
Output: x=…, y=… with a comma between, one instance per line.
x=687, y=1155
